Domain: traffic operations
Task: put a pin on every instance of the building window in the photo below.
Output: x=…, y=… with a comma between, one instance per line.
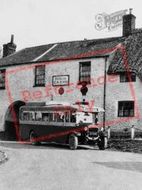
x=40, y=75
x=126, y=109
x=125, y=77
x=85, y=72
x=2, y=78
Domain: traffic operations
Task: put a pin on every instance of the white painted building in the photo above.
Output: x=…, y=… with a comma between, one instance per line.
x=57, y=71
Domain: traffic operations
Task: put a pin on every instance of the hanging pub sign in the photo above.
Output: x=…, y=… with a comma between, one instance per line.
x=60, y=80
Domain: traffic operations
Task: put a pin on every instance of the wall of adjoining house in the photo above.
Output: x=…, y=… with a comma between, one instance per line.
x=123, y=92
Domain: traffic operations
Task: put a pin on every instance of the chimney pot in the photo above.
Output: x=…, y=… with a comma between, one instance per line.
x=130, y=11
x=12, y=38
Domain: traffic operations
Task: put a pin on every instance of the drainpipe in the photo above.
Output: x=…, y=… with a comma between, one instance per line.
x=104, y=100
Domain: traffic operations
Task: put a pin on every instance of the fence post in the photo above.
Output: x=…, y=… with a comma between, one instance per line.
x=108, y=132
x=132, y=132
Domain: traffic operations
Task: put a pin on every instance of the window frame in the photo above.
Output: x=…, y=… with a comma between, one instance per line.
x=124, y=110
x=80, y=73
x=4, y=71
x=124, y=77
x=36, y=84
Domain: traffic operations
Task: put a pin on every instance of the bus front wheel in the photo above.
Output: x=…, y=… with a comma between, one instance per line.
x=103, y=143
x=73, y=142
x=33, y=139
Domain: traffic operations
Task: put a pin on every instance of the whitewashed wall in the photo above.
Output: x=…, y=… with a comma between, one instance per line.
x=21, y=79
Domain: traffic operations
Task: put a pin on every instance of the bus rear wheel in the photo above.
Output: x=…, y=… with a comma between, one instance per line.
x=33, y=139
x=73, y=142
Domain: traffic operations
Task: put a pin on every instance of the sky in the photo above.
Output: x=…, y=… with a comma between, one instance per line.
x=39, y=22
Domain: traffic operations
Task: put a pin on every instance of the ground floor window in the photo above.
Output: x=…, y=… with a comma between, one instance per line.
x=126, y=109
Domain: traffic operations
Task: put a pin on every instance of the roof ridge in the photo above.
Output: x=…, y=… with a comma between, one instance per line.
x=97, y=39
x=85, y=40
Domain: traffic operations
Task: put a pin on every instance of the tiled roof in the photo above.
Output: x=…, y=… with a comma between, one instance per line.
x=86, y=48
x=132, y=58
x=63, y=50
x=80, y=49
x=24, y=55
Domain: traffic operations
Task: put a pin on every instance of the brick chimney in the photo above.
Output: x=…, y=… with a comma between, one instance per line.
x=128, y=23
x=9, y=48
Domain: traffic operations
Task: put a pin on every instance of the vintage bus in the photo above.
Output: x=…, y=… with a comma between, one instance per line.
x=61, y=123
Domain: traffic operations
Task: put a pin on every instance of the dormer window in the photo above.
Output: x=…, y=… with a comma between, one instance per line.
x=127, y=77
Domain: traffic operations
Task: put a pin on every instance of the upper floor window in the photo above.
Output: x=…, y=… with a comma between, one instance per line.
x=40, y=75
x=127, y=77
x=85, y=72
x=2, y=79
x=126, y=109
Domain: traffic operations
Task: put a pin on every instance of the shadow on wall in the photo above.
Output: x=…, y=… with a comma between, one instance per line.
x=12, y=115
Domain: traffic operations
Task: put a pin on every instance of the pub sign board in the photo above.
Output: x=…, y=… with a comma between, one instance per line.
x=60, y=80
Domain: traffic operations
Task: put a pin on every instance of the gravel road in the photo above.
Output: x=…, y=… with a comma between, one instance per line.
x=52, y=167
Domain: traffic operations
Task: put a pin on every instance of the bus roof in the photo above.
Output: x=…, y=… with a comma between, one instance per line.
x=48, y=108
x=59, y=106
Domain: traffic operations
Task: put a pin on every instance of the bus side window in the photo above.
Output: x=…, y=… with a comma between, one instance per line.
x=26, y=116
x=58, y=117
x=67, y=117
x=73, y=117
x=38, y=116
x=32, y=116
x=50, y=116
x=45, y=116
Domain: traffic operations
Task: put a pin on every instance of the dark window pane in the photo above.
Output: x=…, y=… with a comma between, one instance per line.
x=127, y=77
x=40, y=75
x=2, y=79
x=85, y=72
x=126, y=109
